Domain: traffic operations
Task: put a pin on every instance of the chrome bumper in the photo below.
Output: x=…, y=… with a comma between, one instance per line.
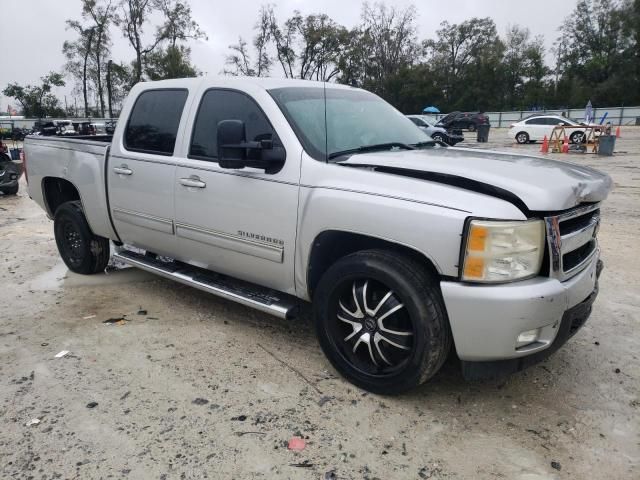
x=486, y=320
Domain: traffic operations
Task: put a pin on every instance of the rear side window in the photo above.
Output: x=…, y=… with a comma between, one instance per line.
x=537, y=121
x=218, y=105
x=153, y=123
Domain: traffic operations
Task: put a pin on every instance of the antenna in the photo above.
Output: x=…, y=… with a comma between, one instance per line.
x=326, y=127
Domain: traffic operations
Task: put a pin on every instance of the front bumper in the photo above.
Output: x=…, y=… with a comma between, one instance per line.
x=487, y=319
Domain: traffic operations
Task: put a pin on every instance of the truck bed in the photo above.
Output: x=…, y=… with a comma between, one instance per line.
x=80, y=160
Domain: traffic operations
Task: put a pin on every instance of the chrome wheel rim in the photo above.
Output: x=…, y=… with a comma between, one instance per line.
x=522, y=138
x=372, y=328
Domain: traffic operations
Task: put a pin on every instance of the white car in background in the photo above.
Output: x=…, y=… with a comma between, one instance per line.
x=535, y=128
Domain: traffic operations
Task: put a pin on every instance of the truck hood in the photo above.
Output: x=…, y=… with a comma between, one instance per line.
x=531, y=183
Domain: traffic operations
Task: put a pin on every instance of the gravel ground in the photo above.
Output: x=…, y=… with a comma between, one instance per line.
x=191, y=386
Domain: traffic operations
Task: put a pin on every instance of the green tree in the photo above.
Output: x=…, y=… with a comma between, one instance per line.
x=170, y=62
x=467, y=59
x=593, y=53
x=38, y=101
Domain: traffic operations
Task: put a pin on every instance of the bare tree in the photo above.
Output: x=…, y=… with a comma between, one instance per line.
x=240, y=59
x=101, y=14
x=389, y=35
x=132, y=19
x=78, y=54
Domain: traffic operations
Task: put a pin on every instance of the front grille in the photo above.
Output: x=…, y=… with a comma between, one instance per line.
x=572, y=259
x=578, y=223
x=571, y=238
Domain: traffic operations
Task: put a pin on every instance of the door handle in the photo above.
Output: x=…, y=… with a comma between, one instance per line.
x=123, y=170
x=192, y=182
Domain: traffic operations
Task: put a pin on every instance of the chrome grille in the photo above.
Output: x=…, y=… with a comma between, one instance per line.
x=571, y=238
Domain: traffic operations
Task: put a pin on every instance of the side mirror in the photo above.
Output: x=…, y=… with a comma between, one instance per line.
x=235, y=152
x=231, y=144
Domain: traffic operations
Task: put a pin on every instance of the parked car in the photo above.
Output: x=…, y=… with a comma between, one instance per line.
x=9, y=172
x=110, y=126
x=428, y=125
x=464, y=120
x=273, y=192
x=45, y=128
x=536, y=127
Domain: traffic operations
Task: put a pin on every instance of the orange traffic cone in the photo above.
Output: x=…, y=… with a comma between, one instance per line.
x=618, y=132
x=565, y=145
x=545, y=145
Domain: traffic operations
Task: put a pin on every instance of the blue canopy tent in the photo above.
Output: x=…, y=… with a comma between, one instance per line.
x=431, y=109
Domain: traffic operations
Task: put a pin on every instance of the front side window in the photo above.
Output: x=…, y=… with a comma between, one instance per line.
x=218, y=105
x=154, y=120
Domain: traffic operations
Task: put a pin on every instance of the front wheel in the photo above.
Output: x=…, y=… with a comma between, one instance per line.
x=381, y=321
x=82, y=251
x=472, y=127
x=438, y=137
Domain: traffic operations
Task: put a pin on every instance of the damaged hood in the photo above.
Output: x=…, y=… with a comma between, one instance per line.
x=531, y=183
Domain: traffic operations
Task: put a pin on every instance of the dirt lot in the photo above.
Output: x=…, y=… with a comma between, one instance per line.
x=191, y=386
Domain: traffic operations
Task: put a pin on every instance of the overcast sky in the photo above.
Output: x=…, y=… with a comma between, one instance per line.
x=33, y=31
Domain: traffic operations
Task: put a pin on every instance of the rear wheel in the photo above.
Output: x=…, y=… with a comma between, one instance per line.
x=576, y=137
x=522, y=137
x=82, y=251
x=472, y=127
x=381, y=321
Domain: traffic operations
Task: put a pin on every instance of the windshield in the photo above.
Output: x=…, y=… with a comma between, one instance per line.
x=354, y=119
x=429, y=120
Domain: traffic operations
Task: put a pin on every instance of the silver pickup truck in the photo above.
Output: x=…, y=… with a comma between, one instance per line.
x=274, y=192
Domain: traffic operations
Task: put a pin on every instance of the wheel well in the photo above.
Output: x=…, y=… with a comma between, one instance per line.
x=58, y=191
x=332, y=245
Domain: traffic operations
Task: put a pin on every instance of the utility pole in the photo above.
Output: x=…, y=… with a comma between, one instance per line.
x=109, y=87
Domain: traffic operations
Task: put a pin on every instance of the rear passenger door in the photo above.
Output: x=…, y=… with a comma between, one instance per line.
x=141, y=171
x=240, y=222
x=537, y=128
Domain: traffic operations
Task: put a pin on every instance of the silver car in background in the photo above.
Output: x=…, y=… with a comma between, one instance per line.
x=428, y=125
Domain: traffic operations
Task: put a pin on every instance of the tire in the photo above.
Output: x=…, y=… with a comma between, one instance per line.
x=472, y=127
x=522, y=138
x=438, y=137
x=10, y=190
x=393, y=356
x=576, y=137
x=82, y=251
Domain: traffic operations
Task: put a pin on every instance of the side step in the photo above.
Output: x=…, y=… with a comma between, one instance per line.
x=245, y=293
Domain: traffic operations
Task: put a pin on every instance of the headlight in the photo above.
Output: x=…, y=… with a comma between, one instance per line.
x=497, y=251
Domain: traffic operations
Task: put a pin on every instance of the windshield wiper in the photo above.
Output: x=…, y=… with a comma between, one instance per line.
x=372, y=148
x=428, y=143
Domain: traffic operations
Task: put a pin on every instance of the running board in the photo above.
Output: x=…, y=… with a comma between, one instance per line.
x=245, y=293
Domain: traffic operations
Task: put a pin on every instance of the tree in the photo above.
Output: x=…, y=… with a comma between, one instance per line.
x=101, y=14
x=172, y=62
x=595, y=43
x=240, y=60
x=38, y=101
x=132, y=20
x=523, y=69
x=179, y=24
x=78, y=54
x=467, y=59
x=389, y=38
